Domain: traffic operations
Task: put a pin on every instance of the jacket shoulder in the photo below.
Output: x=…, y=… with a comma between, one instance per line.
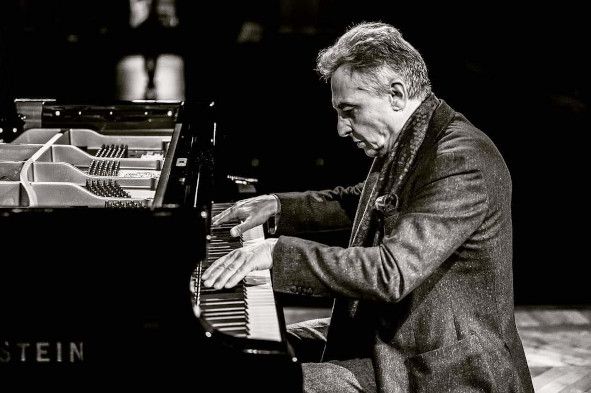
x=464, y=143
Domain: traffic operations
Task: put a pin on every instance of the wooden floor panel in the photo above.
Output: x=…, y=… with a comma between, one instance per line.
x=556, y=340
x=557, y=344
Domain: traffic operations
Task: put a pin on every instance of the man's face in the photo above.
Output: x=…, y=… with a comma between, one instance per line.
x=367, y=117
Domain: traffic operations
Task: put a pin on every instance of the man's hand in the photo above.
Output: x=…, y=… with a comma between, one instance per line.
x=253, y=212
x=230, y=269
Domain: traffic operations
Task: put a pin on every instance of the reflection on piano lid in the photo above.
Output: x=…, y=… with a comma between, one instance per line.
x=114, y=282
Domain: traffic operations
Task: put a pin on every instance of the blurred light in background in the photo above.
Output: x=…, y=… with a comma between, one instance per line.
x=133, y=78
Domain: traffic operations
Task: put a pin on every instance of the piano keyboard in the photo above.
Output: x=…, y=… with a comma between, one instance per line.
x=247, y=310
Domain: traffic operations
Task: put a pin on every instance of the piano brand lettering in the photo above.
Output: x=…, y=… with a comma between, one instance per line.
x=41, y=352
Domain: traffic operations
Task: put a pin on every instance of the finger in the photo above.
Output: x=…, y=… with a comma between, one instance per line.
x=208, y=282
x=232, y=213
x=247, y=267
x=213, y=275
x=229, y=271
x=225, y=216
x=240, y=228
x=217, y=267
x=205, y=275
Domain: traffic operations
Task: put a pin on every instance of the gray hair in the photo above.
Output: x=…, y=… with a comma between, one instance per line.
x=376, y=51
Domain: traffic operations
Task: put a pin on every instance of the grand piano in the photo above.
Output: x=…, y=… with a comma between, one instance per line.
x=105, y=217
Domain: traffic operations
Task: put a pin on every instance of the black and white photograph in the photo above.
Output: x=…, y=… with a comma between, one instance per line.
x=294, y=196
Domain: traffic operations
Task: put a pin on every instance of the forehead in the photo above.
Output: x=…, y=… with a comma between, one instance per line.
x=347, y=87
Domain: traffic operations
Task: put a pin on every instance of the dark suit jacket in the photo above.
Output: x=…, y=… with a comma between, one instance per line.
x=434, y=295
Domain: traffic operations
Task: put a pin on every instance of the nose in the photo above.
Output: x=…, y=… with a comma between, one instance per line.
x=343, y=127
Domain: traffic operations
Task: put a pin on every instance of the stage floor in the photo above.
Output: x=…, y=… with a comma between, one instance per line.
x=556, y=339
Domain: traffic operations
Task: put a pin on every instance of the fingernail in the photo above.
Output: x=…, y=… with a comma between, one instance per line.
x=207, y=283
x=234, y=232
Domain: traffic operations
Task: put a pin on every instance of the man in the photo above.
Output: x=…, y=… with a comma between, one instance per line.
x=424, y=297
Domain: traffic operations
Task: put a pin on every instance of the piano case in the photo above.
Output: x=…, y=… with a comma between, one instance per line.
x=97, y=295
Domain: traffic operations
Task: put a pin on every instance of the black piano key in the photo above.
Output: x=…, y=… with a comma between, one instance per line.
x=219, y=305
x=221, y=296
x=235, y=331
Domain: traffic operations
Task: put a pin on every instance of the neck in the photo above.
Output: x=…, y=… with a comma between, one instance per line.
x=410, y=108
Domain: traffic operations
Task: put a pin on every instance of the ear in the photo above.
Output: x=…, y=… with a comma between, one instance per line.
x=397, y=95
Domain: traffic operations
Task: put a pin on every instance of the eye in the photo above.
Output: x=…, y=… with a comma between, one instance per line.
x=348, y=112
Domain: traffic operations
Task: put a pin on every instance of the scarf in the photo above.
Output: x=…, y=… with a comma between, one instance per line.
x=387, y=174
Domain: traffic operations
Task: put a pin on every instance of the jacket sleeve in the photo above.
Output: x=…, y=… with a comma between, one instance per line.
x=314, y=211
x=447, y=206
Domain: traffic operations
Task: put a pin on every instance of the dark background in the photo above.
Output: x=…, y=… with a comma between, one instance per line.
x=521, y=75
